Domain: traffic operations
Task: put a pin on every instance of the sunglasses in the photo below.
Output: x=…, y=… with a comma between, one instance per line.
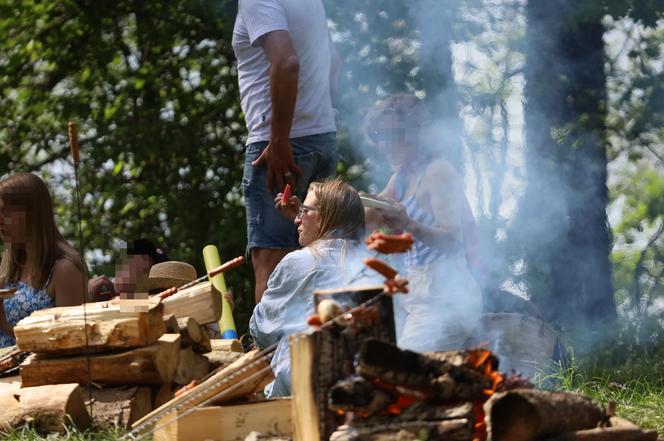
x=304, y=209
x=387, y=135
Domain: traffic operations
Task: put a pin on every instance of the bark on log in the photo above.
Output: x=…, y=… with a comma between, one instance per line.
x=234, y=375
x=191, y=366
x=220, y=359
x=155, y=364
x=119, y=406
x=527, y=414
x=61, y=331
x=48, y=409
x=201, y=302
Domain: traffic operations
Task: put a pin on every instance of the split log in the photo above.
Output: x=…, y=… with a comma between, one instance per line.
x=527, y=414
x=220, y=359
x=119, y=406
x=48, y=409
x=228, y=423
x=171, y=324
x=205, y=344
x=201, y=302
x=226, y=344
x=239, y=379
x=190, y=331
x=155, y=364
x=163, y=394
x=62, y=331
x=191, y=366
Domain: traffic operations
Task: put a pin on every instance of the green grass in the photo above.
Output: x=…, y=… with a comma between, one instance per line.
x=636, y=385
x=29, y=434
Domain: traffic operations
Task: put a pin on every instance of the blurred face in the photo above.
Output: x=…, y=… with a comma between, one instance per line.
x=395, y=140
x=13, y=224
x=131, y=272
x=308, y=220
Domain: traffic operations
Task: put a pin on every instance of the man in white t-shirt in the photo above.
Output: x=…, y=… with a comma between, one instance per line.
x=284, y=61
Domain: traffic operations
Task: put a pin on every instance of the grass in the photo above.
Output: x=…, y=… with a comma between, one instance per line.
x=635, y=383
x=29, y=434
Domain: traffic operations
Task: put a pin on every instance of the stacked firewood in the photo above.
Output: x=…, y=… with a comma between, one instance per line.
x=131, y=355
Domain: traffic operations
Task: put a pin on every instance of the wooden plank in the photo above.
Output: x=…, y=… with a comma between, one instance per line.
x=226, y=344
x=201, y=302
x=228, y=423
x=305, y=411
x=61, y=331
x=234, y=375
x=51, y=408
x=154, y=364
x=119, y=406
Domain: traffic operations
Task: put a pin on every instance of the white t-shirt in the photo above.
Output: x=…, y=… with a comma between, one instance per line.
x=306, y=24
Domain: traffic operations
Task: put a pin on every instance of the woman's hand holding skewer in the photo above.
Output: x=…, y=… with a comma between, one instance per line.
x=290, y=209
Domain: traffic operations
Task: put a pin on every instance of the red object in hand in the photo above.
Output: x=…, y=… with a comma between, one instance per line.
x=287, y=194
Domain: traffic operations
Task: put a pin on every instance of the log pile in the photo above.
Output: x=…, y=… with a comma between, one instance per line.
x=132, y=357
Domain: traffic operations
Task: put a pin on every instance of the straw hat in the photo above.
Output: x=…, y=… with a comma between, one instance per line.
x=170, y=274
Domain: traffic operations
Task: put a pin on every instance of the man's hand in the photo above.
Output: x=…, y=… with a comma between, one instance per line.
x=101, y=288
x=281, y=166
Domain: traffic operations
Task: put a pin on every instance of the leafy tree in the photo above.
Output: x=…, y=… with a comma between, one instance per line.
x=562, y=221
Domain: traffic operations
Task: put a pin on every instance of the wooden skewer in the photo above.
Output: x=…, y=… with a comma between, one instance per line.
x=226, y=266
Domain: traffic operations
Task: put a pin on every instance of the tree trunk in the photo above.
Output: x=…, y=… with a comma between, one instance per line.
x=562, y=220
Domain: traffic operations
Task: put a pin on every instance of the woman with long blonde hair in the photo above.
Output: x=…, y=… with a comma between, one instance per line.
x=37, y=262
x=330, y=225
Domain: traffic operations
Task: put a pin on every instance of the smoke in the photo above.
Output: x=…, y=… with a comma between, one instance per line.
x=507, y=88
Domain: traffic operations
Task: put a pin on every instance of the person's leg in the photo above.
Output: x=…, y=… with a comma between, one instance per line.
x=265, y=260
x=270, y=236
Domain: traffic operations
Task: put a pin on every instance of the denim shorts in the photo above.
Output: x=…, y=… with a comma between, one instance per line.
x=316, y=155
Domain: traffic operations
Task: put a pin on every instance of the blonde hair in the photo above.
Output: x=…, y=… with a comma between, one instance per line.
x=340, y=210
x=44, y=243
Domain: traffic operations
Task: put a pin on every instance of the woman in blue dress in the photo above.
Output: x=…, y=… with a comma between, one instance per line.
x=444, y=304
x=37, y=261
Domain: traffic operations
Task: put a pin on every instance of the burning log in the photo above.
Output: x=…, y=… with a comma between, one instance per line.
x=357, y=394
x=527, y=414
x=450, y=430
x=441, y=377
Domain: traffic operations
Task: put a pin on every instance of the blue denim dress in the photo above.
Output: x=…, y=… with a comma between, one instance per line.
x=24, y=302
x=288, y=300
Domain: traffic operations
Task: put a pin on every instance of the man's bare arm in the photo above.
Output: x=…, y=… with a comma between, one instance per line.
x=284, y=72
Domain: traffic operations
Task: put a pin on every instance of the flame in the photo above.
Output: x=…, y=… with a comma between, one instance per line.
x=482, y=360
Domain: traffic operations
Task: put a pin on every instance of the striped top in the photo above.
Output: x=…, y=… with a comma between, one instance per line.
x=420, y=254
